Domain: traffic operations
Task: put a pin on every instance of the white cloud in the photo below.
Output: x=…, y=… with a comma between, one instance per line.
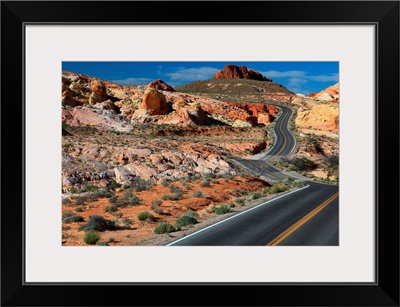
x=296, y=85
x=283, y=74
x=324, y=78
x=132, y=81
x=183, y=74
x=333, y=77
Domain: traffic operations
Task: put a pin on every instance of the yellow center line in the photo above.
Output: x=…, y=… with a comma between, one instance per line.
x=284, y=136
x=302, y=221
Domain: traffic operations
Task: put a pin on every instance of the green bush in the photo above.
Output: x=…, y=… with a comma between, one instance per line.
x=144, y=215
x=66, y=201
x=165, y=182
x=114, y=185
x=111, y=209
x=79, y=201
x=198, y=193
x=240, y=200
x=69, y=217
x=256, y=195
x=98, y=223
x=79, y=209
x=278, y=187
x=158, y=210
x=103, y=244
x=142, y=185
x=222, y=209
x=184, y=220
x=164, y=227
x=126, y=222
x=205, y=183
x=91, y=237
x=156, y=203
x=113, y=199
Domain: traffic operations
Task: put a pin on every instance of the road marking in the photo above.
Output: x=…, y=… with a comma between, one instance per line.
x=284, y=136
x=302, y=221
x=236, y=215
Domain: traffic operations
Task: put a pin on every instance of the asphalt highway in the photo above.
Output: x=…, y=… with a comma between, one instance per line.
x=305, y=217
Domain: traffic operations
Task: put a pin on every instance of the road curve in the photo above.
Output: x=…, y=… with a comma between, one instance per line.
x=285, y=142
x=309, y=216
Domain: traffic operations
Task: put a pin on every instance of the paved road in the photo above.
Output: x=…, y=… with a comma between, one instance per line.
x=309, y=216
x=284, y=139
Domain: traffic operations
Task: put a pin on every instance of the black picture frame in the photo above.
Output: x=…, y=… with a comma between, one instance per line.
x=383, y=14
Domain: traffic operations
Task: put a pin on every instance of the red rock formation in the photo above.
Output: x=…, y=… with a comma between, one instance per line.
x=329, y=94
x=235, y=72
x=160, y=85
x=153, y=103
x=99, y=91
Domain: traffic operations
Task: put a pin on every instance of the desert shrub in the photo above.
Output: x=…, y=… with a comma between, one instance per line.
x=103, y=244
x=184, y=220
x=144, y=215
x=118, y=215
x=198, y=193
x=126, y=222
x=158, y=210
x=128, y=200
x=91, y=237
x=142, y=185
x=177, y=193
x=73, y=190
x=115, y=185
x=205, y=183
x=113, y=199
x=221, y=209
x=299, y=183
x=66, y=201
x=165, y=182
x=240, y=200
x=79, y=209
x=111, y=209
x=156, y=202
x=186, y=185
x=80, y=201
x=256, y=195
x=89, y=188
x=192, y=214
x=241, y=192
x=69, y=217
x=164, y=227
x=208, y=176
x=98, y=223
x=278, y=187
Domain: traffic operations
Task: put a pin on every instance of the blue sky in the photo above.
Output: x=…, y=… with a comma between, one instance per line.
x=299, y=77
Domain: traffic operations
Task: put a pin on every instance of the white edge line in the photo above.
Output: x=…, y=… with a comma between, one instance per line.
x=236, y=215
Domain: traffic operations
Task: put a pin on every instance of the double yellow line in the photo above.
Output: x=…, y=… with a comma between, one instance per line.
x=302, y=221
x=284, y=136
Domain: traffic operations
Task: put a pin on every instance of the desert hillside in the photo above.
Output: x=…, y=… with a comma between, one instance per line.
x=137, y=157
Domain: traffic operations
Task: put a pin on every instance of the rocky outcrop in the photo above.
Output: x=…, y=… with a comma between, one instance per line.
x=160, y=85
x=322, y=117
x=153, y=103
x=235, y=72
x=329, y=94
x=99, y=91
x=97, y=118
